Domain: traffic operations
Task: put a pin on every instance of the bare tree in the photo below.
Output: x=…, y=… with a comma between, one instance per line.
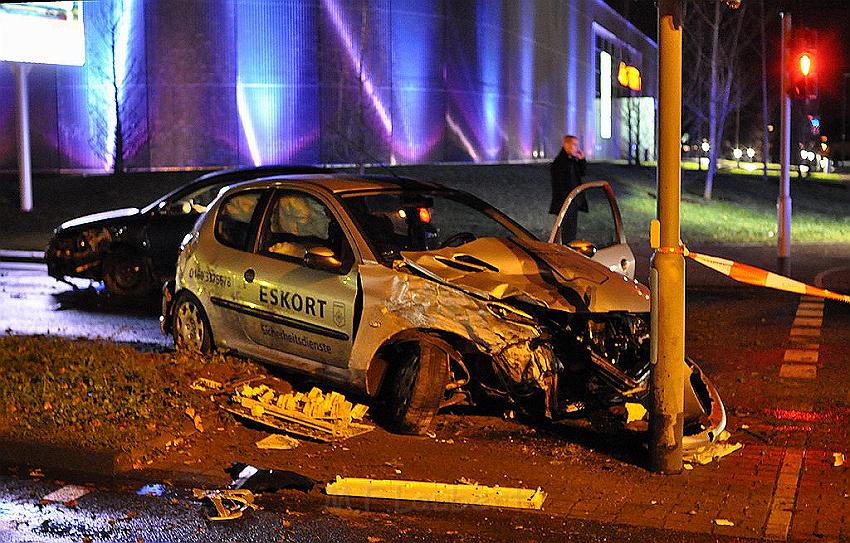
x=716, y=41
x=116, y=123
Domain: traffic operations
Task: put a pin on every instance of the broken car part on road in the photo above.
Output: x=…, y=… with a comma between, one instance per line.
x=423, y=491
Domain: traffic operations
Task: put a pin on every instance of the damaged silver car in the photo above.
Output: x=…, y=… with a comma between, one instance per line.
x=423, y=296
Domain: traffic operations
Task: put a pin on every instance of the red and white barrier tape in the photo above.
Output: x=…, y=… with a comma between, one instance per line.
x=762, y=278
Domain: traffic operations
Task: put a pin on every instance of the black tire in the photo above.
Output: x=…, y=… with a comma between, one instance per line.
x=126, y=274
x=190, y=326
x=417, y=387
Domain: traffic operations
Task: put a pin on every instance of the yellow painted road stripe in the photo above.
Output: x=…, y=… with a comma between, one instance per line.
x=784, y=496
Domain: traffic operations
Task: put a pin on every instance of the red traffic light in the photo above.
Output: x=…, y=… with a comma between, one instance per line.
x=801, y=70
x=805, y=64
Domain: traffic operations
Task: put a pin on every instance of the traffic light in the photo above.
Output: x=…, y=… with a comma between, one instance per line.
x=803, y=66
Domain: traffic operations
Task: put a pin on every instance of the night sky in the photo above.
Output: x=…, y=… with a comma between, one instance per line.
x=831, y=18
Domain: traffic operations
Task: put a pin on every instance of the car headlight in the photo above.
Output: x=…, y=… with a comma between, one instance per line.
x=509, y=313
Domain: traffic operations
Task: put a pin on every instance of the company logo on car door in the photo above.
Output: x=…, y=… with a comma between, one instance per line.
x=339, y=314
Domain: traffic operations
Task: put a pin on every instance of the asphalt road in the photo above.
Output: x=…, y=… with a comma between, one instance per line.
x=34, y=303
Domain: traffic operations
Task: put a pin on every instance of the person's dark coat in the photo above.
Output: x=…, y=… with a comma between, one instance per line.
x=567, y=172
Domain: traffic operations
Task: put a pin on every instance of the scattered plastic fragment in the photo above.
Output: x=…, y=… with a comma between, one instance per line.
x=723, y=522
x=687, y=466
x=229, y=504
x=204, y=385
x=837, y=459
x=277, y=442
x=196, y=419
x=246, y=476
x=36, y=472
x=715, y=451
x=317, y=415
x=520, y=498
x=154, y=489
x=68, y=494
x=634, y=412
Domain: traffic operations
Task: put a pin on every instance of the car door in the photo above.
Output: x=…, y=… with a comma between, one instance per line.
x=300, y=288
x=590, y=223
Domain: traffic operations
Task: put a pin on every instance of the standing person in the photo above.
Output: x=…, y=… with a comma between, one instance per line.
x=567, y=170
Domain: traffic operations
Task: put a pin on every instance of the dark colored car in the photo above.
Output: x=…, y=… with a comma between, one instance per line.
x=133, y=251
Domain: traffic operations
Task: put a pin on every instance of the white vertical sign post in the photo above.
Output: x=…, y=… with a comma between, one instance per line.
x=23, y=117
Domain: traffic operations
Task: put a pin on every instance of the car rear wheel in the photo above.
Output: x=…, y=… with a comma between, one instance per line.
x=191, y=328
x=417, y=386
x=126, y=274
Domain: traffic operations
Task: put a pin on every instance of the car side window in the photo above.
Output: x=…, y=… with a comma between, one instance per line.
x=594, y=218
x=233, y=221
x=196, y=201
x=297, y=223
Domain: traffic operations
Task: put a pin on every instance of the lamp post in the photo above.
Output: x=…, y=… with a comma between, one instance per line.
x=667, y=275
x=706, y=147
x=737, y=153
x=751, y=153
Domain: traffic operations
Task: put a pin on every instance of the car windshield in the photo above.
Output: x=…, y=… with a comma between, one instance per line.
x=405, y=220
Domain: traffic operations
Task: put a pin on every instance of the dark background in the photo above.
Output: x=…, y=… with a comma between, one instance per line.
x=831, y=18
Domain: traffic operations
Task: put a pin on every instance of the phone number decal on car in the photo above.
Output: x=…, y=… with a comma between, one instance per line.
x=209, y=276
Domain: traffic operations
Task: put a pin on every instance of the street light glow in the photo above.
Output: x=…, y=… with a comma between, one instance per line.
x=737, y=153
x=705, y=147
x=751, y=152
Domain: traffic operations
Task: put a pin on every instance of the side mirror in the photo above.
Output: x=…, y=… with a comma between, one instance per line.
x=584, y=247
x=322, y=258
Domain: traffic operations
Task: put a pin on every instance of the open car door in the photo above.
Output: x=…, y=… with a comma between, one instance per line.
x=590, y=223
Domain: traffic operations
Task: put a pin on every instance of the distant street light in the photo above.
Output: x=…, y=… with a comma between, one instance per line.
x=751, y=152
x=705, y=148
x=737, y=153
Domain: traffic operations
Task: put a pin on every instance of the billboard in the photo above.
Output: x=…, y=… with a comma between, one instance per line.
x=42, y=32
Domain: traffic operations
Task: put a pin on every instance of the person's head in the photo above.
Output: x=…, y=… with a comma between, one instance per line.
x=571, y=145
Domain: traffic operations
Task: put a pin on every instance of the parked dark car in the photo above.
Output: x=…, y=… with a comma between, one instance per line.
x=133, y=251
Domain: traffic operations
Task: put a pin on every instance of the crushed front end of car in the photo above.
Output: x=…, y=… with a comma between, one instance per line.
x=558, y=336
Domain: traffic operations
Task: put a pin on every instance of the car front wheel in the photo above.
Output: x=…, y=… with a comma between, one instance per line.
x=191, y=327
x=126, y=274
x=417, y=386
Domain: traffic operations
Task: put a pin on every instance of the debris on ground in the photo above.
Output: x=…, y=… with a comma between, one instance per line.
x=279, y=442
x=248, y=477
x=196, y=419
x=837, y=459
x=203, y=384
x=470, y=494
x=151, y=489
x=714, y=451
x=229, y=503
x=317, y=415
x=68, y=495
x=36, y=472
x=723, y=522
x=635, y=412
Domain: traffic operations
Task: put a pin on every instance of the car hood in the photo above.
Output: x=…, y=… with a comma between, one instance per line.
x=533, y=271
x=98, y=219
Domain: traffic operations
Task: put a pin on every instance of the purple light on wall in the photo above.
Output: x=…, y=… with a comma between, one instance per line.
x=351, y=50
x=526, y=78
x=275, y=97
x=488, y=32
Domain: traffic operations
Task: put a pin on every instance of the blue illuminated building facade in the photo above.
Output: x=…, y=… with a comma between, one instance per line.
x=207, y=83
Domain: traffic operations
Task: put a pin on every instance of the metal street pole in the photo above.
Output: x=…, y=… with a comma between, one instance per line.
x=783, y=203
x=23, y=115
x=667, y=276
